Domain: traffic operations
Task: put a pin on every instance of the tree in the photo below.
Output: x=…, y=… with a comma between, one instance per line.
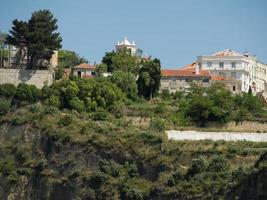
x=125, y=61
x=107, y=59
x=67, y=59
x=100, y=69
x=19, y=37
x=199, y=110
x=37, y=36
x=149, y=78
x=43, y=39
x=126, y=82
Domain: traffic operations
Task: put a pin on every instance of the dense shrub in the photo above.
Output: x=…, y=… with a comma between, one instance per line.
x=198, y=165
x=54, y=101
x=157, y=124
x=4, y=106
x=218, y=164
x=65, y=120
x=67, y=90
x=77, y=104
x=130, y=193
x=126, y=82
x=101, y=91
x=7, y=90
x=100, y=114
x=27, y=93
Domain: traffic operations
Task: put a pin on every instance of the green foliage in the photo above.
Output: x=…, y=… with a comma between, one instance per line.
x=165, y=94
x=125, y=61
x=65, y=120
x=218, y=164
x=197, y=166
x=67, y=90
x=68, y=59
x=37, y=35
x=107, y=59
x=157, y=124
x=129, y=193
x=77, y=104
x=126, y=82
x=100, y=69
x=7, y=90
x=4, y=106
x=27, y=93
x=199, y=110
x=100, y=114
x=149, y=79
x=59, y=73
x=54, y=101
x=101, y=91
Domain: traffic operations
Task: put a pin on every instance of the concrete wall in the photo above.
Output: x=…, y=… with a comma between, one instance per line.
x=215, y=136
x=33, y=77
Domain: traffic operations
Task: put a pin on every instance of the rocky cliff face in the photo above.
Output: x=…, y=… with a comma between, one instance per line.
x=254, y=186
x=69, y=156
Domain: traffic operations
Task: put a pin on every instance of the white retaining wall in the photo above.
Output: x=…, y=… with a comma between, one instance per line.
x=33, y=77
x=215, y=136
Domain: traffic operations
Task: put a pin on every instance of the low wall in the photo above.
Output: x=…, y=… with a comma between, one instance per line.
x=215, y=136
x=33, y=77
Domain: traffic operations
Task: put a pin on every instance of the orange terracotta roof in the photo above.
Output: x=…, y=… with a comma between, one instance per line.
x=217, y=78
x=185, y=73
x=221, y=78
x=84, y=66
x=169, y=72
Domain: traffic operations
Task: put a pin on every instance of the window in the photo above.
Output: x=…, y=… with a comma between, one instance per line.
x=206, y=80
x=234, y=88
x=221, y=64
x=209, y=64
x=233, y=75
x=79, y=73
x=234, y=65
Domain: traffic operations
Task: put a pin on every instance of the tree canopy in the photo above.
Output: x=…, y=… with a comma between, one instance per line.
x=149, y=78
x=38, y=36
x=67, y=59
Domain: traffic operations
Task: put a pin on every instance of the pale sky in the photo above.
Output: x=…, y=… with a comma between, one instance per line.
x=175, y=31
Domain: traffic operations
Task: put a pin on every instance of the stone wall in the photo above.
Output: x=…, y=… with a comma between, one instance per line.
x=33, y=77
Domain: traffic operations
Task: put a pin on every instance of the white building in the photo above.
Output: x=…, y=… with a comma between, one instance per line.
x=233, y=65
x=128, y=45
x=84, y=70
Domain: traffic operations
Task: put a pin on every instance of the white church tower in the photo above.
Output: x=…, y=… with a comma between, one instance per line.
x=126, y=44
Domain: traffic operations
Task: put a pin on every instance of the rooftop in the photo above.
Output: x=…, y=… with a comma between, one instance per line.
x=186, y=71
x=126, y=42
x=84, y=66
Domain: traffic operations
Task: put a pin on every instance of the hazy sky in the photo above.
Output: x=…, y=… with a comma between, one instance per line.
x=175, y=31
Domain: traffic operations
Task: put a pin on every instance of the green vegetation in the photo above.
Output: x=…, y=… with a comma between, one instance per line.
x=38, y=36
x=97, y=155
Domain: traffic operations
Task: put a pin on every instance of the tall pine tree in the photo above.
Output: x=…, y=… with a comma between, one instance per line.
x=38, y=36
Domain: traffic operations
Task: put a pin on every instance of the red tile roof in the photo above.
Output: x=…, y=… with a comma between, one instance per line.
x=217, y=78
x=186, y=71
x=84, y=66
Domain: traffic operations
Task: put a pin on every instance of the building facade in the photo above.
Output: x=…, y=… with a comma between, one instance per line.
x=128, y=45
x=181, y=79
x=17, y=58
x=236, y=66
x=84, y=70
